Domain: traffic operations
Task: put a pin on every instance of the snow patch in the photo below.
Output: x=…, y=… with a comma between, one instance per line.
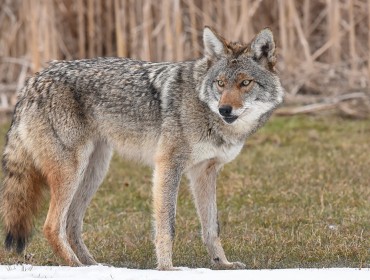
x=105, y=272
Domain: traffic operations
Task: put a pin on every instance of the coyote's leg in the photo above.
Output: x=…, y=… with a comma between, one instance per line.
x=203, y=184
x=166, y=179
x=63, y=177
x=93, y=177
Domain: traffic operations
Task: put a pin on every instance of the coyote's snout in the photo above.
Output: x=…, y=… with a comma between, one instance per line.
x=180, y=118
x=233, y=95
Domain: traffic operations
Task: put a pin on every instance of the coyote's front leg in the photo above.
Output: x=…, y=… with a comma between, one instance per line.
x=203, y=184
x=166, y=179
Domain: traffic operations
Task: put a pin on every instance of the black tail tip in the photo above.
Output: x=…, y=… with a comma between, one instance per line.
x=18, y=243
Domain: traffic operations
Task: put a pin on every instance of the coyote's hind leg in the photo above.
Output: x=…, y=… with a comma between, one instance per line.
x=93, y=177
x=64, y=177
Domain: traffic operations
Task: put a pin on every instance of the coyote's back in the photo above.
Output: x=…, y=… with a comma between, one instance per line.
x=180, y=118
x=74, y=112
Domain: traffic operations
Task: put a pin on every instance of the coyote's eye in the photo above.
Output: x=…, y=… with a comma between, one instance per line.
x=220, y=83
x=245, y=83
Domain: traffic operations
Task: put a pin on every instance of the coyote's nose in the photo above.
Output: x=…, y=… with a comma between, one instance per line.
x=225, y=110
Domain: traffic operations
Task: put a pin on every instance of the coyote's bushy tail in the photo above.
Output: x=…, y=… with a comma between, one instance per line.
x=20, y=193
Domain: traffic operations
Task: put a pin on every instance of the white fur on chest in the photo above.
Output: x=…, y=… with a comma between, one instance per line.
x=205, y=151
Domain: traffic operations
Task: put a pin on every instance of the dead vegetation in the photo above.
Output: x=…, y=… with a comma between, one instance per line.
x=323, y=45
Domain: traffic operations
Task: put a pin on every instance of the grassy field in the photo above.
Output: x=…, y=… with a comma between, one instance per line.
x=297, y=196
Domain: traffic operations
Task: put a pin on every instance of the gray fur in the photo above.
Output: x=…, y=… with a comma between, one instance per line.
x=166, y=115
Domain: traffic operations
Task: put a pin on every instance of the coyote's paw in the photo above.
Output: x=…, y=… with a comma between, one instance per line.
x=229, y=265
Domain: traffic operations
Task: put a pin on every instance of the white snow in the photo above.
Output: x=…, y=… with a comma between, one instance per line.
x=105, y=272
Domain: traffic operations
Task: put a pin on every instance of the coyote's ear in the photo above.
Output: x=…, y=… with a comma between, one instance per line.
x=214, y=45
x=263, y=47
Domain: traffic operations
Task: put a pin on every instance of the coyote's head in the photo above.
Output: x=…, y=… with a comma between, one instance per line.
x=241, y=84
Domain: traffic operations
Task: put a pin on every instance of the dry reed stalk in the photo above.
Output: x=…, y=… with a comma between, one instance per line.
x=327, y=104
x=166, y=8
x=178, y=30
x=245, y=25
x=139, y=23
x=207, y=13
x=319, y=19
x=98, y=35
x=22, y=76
x=352, y=48
x=306, y=17
x=33, y=7
x=45, y=29
x=193, y=28
x=23, y=39
x=220, y=15
x=147, y=30
x=108, y=38
x=368, y=37
x=53, y=31
x=5, y=46
x=302, y=38
x=120, y=30
x=321, y=50
x=81, y=29
x=200, y=14
x=283, y=31
x=239, y=28
x=90, y=28
x=229, y=14
x=333, y=15
x=132, y=29
x=290, y=29
x=9, y=38
x=254, y=7
x=125, y=26
x=158, y=34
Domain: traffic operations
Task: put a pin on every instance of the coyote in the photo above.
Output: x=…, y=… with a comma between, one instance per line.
x=187, y=117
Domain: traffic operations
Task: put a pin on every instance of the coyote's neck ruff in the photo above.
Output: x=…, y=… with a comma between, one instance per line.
x=188, y=117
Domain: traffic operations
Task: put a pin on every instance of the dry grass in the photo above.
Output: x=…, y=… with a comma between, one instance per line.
x=297, y=196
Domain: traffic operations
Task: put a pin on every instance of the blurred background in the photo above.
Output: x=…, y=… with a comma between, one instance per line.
x=297, y=196
x=323, y=45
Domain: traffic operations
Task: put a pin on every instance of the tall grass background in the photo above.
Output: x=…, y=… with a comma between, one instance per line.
x=297, y=197
x=323, y=45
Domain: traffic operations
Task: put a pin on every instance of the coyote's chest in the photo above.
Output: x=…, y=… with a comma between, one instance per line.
x=224, y=153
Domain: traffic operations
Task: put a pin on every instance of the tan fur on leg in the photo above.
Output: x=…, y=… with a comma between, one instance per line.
x=166, y=179
x=64, y=179
x=203, y=184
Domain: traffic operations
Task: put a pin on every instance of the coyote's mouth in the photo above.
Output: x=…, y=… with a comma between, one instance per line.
x=230, y=119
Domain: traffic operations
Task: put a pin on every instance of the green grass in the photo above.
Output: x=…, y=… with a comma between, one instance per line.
x=297, y=196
